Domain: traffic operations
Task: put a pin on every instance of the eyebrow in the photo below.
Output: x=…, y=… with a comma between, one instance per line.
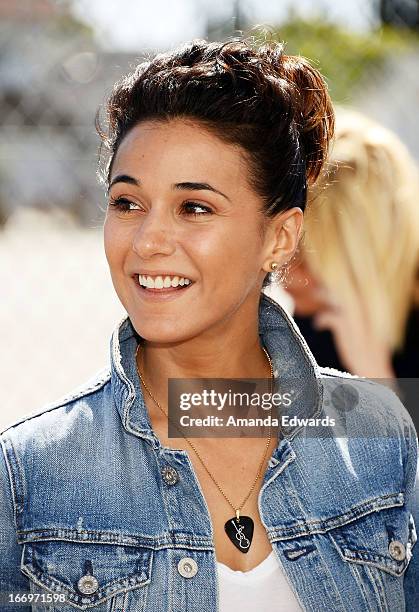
x=189, y=186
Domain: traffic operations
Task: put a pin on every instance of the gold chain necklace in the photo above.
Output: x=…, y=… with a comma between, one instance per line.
x=240, y=533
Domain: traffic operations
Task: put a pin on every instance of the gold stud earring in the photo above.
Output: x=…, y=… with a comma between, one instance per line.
x=274, y=265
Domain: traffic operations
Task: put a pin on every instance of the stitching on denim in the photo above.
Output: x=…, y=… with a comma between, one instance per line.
x=19, y=473
x=125, y=599
x=166, y=541
x=120, y=602
x=126, y=382
x=50, y=582
x=150, y=572
x=12, y=484
x=65, y=400
x=113, y=603
x=375, y=560
x=288, y=460
x=55, y=586
x=329, y=574
x=163, y=491
x=378, y=586
x=46, y=607
x=353, y=516
x=171, y=586
x=378, y=559
x=202, y=495
x=13, y=466
x=355, y=571
x=116, y=354
x=412, y=452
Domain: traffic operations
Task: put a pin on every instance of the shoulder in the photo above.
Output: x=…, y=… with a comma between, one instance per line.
x=370, y=410
x=42, y=450
x=53, y=420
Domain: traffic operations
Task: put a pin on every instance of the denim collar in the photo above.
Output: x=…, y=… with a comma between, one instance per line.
x=291, y=358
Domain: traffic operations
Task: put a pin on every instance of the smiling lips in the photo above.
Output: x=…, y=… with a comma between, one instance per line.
x=161, y=282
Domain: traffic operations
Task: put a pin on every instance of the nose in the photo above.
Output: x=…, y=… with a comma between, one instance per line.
x=153, y=236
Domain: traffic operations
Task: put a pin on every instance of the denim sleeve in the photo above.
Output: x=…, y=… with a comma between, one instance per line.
x=11, y=578
x=411, y=577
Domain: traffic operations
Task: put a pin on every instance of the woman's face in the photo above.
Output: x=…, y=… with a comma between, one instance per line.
x=185, y=209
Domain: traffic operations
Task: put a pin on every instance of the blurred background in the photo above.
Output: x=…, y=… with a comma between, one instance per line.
x=58, y=61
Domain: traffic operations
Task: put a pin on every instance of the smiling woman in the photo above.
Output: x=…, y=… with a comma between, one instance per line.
x=178, y=197
x=210, y=150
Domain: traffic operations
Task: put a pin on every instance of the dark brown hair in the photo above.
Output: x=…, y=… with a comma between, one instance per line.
x=275, y=106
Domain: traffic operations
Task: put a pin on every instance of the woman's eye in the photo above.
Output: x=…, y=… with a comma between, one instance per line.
x=122, y=204
x=191, y=209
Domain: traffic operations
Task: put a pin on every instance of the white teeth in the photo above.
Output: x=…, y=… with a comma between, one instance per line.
x=160, y=282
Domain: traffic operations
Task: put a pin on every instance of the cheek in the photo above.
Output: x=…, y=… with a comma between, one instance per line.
x=114, y=242
x=234, y=243
x=229, y=260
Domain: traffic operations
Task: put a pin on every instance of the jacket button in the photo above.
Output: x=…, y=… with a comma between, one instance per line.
x=397, y=550
x=187, y=567
x=88, y=584
x=170, y=475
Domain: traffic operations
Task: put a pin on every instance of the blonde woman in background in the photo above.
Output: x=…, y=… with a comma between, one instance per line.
x=355, y=288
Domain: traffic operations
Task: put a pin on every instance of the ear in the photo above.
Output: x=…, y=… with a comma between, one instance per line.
x=282, y=237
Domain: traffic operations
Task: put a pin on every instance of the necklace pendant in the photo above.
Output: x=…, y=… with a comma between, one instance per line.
x=240, y=532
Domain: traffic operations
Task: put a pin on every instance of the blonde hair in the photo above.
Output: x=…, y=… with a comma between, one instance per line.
x=362, y=225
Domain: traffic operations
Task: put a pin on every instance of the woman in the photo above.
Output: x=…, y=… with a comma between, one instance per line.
x=211, y=149
x=361, y=238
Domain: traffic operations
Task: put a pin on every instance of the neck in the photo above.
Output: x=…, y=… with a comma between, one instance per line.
x=233, y=352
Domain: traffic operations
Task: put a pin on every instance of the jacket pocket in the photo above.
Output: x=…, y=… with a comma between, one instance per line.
x=85, y=575
x=383, y=539
x=377, y=549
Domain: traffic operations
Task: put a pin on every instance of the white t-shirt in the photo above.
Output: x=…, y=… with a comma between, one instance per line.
x=262, y=589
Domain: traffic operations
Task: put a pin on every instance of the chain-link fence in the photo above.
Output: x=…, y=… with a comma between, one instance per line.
x=59, y=307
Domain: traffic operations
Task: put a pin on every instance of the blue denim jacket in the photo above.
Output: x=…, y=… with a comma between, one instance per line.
x=88, y=514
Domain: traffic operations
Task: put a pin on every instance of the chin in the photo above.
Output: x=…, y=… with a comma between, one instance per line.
x=162, y=332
